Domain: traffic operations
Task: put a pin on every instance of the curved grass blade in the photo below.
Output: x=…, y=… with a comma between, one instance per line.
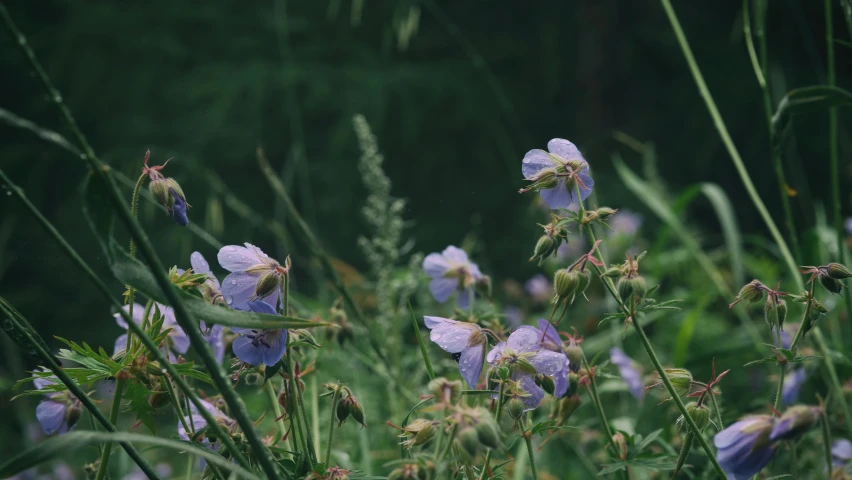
x=422, y=345
x=62, y=445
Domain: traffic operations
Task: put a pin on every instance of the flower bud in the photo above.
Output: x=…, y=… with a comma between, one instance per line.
x=545, y=247
x=492, y=378
x=830, y=284
x=564, y=408
x=573, y=383
x=173, y=184
x=524, y=365
x=605, y=212
x=613, y=272
x=584, y=279
x=304, y=336
x=751, y=292
x=620, y=444
x=486, y=430
x=774, y=310
x=681, y=380
x=565, y=284
x=266, y=284
x=632, y=287
x=575, y=355
x=342, y=412
x=158, y=400
x=700, y=414
x=838, y=271
x=358, y=412
x=545, y=382
x=515, y=408
x=160, y=190
x=73, y=412
x=417, y=433
x=469, y=440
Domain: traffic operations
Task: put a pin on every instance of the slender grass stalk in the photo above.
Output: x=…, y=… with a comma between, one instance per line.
x=826, y=441
x=450, y=438
x=273, y=402
x=184, y=318
x=755, y=198
x=149, y=344
x=23, y=327
x=531, y=454
x=315, y=412
x=175, y=401
x=334, y=401
x=423, y=350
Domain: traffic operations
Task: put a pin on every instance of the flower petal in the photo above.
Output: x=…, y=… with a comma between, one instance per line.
x=247, y=352
x=548, y=363
x=277, y=340
x=455, y=255
x=138, y=312
x=234, y=258
x=558, y=196
x=238, y=289
x=442, y=288
x=450, y=335
x=180, y=341
x=565, y=149
x=588, y=183
x=197, y=421
x=470, y=364
x=435, y=265
x=51, y=416
x=524, y=339
x=551, y=337
x=535, y=161
x=465, y=296
x=262, y=307
x=536, y=394
x=199, y=263
x=495, y=352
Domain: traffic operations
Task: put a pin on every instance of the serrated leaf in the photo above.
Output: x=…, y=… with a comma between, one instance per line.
x=62, y=445
x=762, y=360
x=137, y=395
x=644, y=442
x=804, y=359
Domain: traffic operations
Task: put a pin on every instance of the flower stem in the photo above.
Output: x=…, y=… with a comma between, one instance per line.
x=449, y=446
x=826, y=440
x=113, y=418
x=273, y=400
x=721, y=425
x=531, y=454
x=334, y=401
x=783, y=367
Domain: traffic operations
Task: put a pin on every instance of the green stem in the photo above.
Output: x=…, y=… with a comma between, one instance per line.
x=331, y=425
x=273, y=400
x=184, y=317
x=531, y=454
x=721, y=425
x=134, y=209
x=113, y=418
x=783, y=367
x=449, y=446
x=826, y=440
x=136, y=329
x=755, y=198
x=176, y=404
x=484, y=471
x=596, y=400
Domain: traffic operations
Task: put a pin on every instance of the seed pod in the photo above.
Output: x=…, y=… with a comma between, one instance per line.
x=830, y=284
x=544, y=247
x=545, y=382
x=752, y=291
x=632, y=287
x=575, y=355
x=565, y=284
x=487, y=431
x=469, y=440
x=564, y=408
x=358, y=413
x=343, y=411
x=700, y=414
x=515, y=408
x=838, y=271
x=681, y=380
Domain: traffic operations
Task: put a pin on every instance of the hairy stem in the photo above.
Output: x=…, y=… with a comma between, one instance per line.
x=334, y=401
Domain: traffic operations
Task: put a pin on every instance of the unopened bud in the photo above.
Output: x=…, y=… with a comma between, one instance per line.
x=700, y=414
x=775, y=310
x=605, y=212
x=565, y=284
x=447, y=392
x=305, y=337
x=487, y=432
x=545, y=382
x=159, y=400
x=629, y=288
x=838, y=271
x=613, y=272
x=620, y=444
x=751, y=292
x=681, y=380
x=160, y=190
x=575, y=355
x=830, y=284
x=358, y=412
x=266, y=284
x=524, y=365
x=545, y=247
x=469, y=440
x=573, y=384
x=173, y=184
x=417, y=432
x=515, y=408
x=343, y=411
x=73, y=412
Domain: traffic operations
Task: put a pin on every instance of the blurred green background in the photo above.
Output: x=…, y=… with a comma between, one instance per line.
x=456, y=93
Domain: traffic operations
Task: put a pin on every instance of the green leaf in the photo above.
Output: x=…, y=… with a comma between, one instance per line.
x=132, y=272
x=137, y=394
x=423, y=350
x=772, y=358
x=809, y=99
x=62, y=445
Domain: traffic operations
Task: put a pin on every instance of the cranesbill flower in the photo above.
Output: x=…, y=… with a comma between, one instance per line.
x=795, y=421
x=744, y=448
x=628, y=371
x=556, y=174
x=177, y=339
x=523, y=350
x=195, y=420
x=793, y=382
x=466, y=341
x=452, y=271
x=259, y=347
x=841, y=453
x=167, y=191
x=254, y=276
x=59, y=412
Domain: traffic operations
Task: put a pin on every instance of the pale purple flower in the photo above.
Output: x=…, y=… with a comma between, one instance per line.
x=539, y=288
x=625, y=222
x=514, y=316
x=177, y=339
x=254, y=276
x=526, y=343
x=628, y=371
x=259, y=347
x=452, y=271
x=178, y=211
x=841, y=453
x=793, y=382
x=566, y=165
x=211, y=290
x=466, y=341
x=214, y=336
x=795, y=421
x=744, y=448
x=58, y=413
x=195, y=420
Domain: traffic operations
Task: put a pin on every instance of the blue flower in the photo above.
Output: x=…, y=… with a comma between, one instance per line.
x=744, y=448
x=795, y=421
x=259, y=347
x=177, y=339
x=527, y=345
x=556, y=173
x=628, y=371
x=254, y=276
x=195, y=420
x=178, y=211
x=452, y=271
x=539, y=288
x=849, y=225
x=841, y=453
x=466, y=341
x=58, y=413
x=793, y=382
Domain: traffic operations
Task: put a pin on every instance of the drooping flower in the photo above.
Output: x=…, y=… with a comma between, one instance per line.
x=556, y=174
x=625, y=222
x=628, y=371
x=260, y=347
x=466, y=341
x=452, y=271
x=195, y=420
x=254, y=276
x=841, y=453
x=744, y=448
x=177, y=340
x=793, y=382
x=524, y=352
x=795, y=421
x=167, y=191
x=539, y=288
